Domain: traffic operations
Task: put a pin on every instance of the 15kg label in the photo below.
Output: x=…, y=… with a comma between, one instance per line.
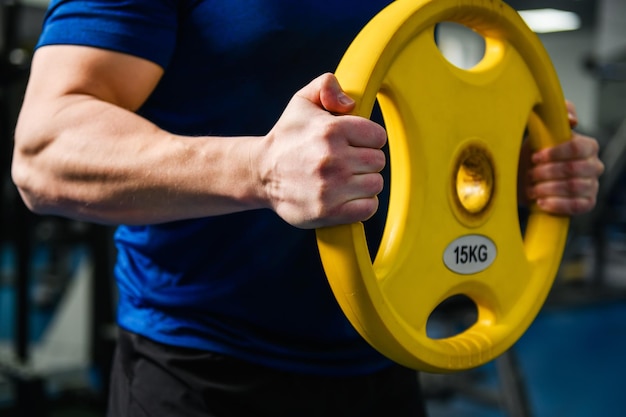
x=470, y=254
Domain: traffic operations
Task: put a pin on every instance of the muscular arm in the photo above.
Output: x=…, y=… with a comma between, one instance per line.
x=82, y=152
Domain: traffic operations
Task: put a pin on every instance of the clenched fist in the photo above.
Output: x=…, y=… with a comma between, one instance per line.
x=322, y=166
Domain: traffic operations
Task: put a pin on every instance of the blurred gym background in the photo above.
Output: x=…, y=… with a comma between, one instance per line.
x=57, y=299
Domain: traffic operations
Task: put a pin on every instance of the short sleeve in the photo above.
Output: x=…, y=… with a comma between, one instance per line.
x=143, y=28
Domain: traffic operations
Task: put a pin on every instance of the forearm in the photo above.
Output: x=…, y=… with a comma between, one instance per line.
x=98, y=162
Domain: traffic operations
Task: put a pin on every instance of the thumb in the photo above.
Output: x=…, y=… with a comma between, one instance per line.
x=325, y=92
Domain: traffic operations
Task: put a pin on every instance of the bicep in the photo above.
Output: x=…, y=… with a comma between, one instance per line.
x=69, y=90
x=58, y=71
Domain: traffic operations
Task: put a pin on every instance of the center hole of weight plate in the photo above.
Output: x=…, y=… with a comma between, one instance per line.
x=474, y=180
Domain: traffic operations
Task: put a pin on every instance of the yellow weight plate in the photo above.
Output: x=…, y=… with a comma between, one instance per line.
x=452, y=224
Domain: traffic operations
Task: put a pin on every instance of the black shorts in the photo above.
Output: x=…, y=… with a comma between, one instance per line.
x=156, y=380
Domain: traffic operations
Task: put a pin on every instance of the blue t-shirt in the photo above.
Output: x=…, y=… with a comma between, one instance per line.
x=246, y=284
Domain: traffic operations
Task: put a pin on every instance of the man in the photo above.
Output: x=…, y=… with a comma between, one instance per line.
x=178, y=120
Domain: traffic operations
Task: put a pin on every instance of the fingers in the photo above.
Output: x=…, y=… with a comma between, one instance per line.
x=359, y=197
x=564, y=178
x=570, y=206
x=353, y=182
x=575, y=158
x=562, y=170
x=361, y=132
x=570, y=196
x=362, y=209
x=579, y=147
